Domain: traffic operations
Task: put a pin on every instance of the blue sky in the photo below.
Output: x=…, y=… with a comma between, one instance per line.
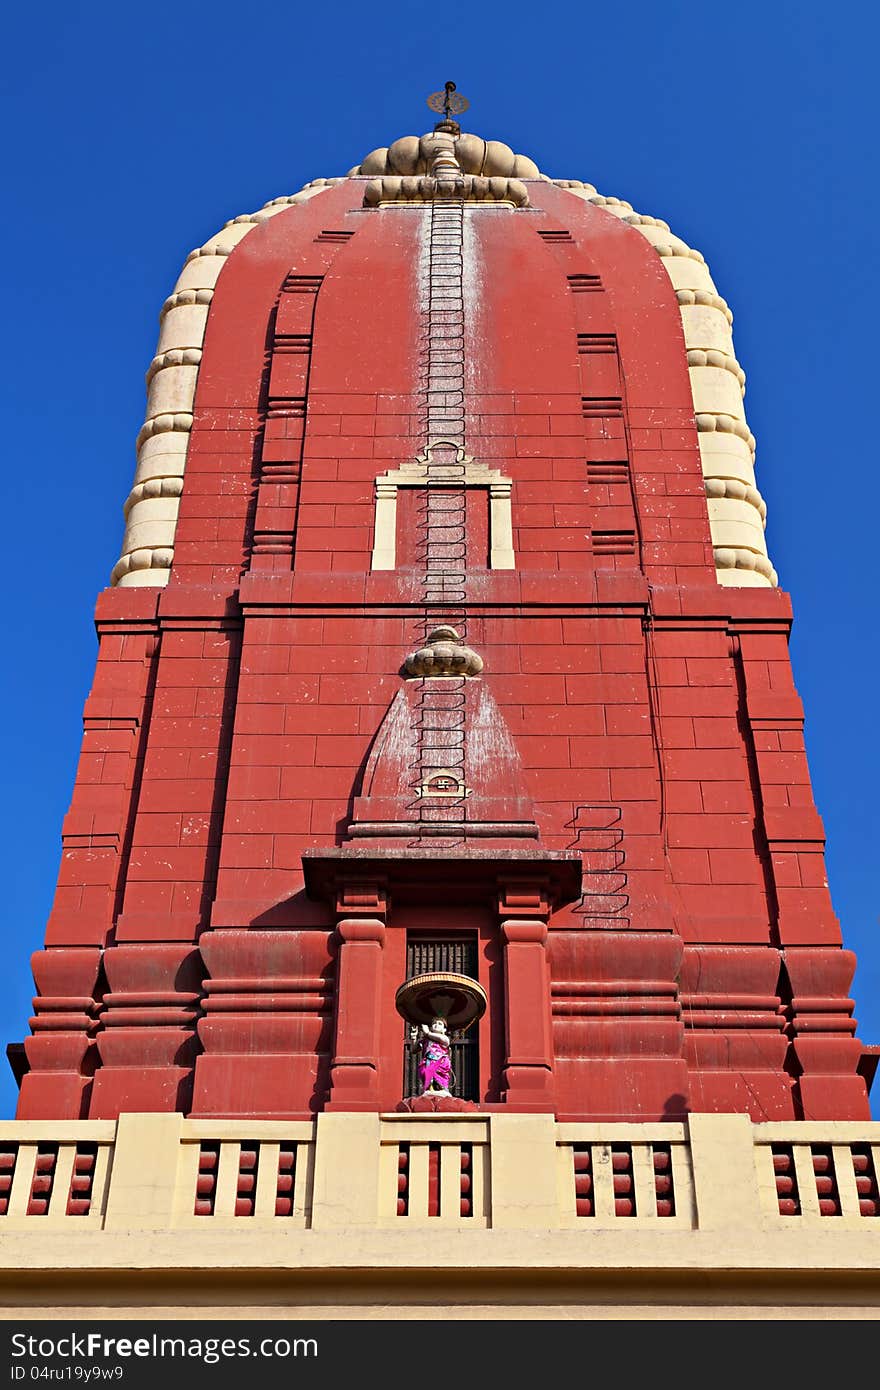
x=134, y=133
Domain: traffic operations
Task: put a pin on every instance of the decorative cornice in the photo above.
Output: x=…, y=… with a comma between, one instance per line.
x=147, y=558
x=708, y=422
x=164, y=424
x=414, y=154
x=698, y=357
x=737, y=490
x=171, y=486
x=175, y=357
x=733, y=558
x=180, y=297
x=467, y=188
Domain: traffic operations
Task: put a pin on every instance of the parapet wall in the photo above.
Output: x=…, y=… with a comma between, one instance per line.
x=318, y=1214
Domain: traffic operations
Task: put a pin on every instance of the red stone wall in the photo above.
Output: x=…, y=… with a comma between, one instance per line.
x=653, y=710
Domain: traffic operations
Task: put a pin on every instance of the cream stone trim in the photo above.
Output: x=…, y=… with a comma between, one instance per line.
x=172, y=377
x=188, y=295
x=175, y=357
x=602, y=1137
x=726, y=423
x=520, y=1248
x=171, y=390
x=501, y=556
x=523, y=1176
x=419, y=1133
x=707, y=300
x=161, y=424
x=413, y=154
x=701, y=357
x=441, y=166
x=726, y=456
x=457, y=792
x=717, y=388
x=735, y=488
x=718, y=392
x=153, y=487
x=422, y=472
x=707, y=325
x=148, y=566
x=24, y=1141
x=733, y=559
x=734, y=523
x=394, y=190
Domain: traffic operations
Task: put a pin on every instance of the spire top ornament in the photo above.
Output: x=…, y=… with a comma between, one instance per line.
x=451, y=103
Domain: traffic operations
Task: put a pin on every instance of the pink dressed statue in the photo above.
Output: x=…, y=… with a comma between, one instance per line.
x=435, y=1064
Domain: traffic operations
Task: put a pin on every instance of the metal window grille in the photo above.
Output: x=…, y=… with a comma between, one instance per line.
x=458, y=954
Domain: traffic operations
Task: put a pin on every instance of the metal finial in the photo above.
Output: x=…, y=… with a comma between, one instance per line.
x=450, y=102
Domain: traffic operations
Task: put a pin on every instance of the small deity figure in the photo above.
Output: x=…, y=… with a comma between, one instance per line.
x=435, y=1064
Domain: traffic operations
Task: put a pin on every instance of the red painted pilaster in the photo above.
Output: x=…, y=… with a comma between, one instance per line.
x=354, y=1071
x=61, y=1052
x=146, y=1041
x=528, y=1062
x=265, y=1029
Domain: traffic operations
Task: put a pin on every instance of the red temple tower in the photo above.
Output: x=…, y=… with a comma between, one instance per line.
x=444, y=640
x=444, y=631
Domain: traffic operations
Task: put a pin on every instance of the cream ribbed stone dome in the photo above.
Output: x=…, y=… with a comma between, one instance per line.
x=737, y=513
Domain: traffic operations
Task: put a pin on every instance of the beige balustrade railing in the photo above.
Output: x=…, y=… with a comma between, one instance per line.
x=816, y=1173
x=465, y=1171
x=254, y=1171
x=621, y=1175
x=433, y=1174
x=54, y=1172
